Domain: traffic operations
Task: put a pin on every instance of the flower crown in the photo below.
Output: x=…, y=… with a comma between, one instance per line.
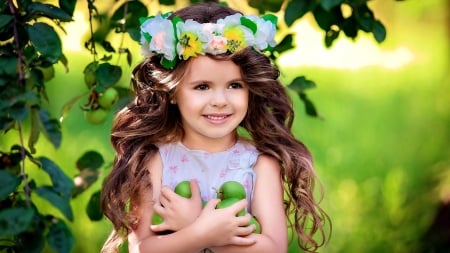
x=176, y=37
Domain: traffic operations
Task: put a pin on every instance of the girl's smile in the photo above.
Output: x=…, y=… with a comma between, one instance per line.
x=213, y=100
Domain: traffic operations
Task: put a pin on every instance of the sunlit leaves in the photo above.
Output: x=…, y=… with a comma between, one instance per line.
x=266, y=5
x=46, y=41
x=296, y=9
x=35, y=10
x=300, y=84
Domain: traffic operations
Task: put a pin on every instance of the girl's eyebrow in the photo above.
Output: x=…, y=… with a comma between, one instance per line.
x=208, y=81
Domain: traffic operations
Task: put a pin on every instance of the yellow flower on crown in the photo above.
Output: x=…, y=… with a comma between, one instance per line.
x=235, y=38
x=190, y=45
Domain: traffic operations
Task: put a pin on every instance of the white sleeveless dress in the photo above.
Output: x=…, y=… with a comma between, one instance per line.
x=210, y=170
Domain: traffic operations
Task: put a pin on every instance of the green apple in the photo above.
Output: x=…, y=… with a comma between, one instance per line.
x=157, y=219
x=97, y=116
x=183, y=189
x=253, y=220
x=231, y=189
x=108, y=98
x=228, y=202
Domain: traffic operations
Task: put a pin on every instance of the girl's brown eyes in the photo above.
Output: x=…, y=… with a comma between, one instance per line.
x=201, y=87
x=235, y=85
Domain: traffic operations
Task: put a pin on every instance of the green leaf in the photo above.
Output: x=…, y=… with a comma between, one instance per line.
x=300, y=84
x=84, y=180
x=135, y=9
x=62, y=203
x=5, y=20
x=15, y=220
x=249, y=24
x=167, y=2
x=65, y=109
x=46, y=41
x=266, y=5
x=68, y=6
x=35, y=129
x=36, y=10
x=270, y=17
x=90, y=160
x=50, y=128
x=35, y=241
x=107, y=75
x=379, y=31
x=9, y=183
x=328, y=4
x=296, y=9
x=60, y=238
x=9, y=65
x=62, y=184
x=309, y=106
x=93, y=209
x=285, y=44
x=18, y=111
x=331, y=36
x=350, y=27
x=327, y=18
x=168, y=64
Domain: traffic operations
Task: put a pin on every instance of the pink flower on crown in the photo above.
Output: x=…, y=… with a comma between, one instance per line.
x=216, y=45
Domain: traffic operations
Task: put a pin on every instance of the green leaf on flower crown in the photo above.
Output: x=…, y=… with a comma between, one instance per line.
x=143, y=19
x=249, y=24
x=167, y=14
x=270, y=17
x=168, y=64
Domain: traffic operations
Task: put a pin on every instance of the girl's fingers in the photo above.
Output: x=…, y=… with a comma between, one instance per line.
x=195, y=189
x=211, y=205
x=243, y=240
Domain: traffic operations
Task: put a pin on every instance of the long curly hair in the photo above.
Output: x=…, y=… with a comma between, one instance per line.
x=150, y=119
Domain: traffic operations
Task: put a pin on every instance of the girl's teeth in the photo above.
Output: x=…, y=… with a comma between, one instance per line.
x=215, y=117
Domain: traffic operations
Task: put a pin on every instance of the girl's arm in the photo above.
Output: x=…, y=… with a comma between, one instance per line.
x=213, y=227
x=267, y=206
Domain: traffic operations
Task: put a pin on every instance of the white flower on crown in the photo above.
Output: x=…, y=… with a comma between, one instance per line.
x=265, y=33
x=162, y=37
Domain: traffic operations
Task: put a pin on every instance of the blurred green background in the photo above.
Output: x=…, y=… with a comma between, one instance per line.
x=381, y=147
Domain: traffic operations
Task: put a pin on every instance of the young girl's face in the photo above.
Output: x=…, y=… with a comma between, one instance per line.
x=212, y=99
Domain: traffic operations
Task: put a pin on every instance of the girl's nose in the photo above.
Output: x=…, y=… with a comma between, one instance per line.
x=219, y=98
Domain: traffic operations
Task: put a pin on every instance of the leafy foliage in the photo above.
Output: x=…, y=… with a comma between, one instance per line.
x=30, y=47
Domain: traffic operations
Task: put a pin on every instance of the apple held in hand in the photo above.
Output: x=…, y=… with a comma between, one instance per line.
x=253, y=220
x=231, y=189
x=184, y=190
x=228, y=202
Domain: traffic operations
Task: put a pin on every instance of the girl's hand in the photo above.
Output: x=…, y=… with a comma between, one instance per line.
x=222, y=227
x=177, y=212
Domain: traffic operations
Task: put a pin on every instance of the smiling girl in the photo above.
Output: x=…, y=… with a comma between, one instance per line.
x=209, y=108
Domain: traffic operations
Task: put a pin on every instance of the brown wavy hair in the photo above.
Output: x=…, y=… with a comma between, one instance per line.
x=150, y=119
